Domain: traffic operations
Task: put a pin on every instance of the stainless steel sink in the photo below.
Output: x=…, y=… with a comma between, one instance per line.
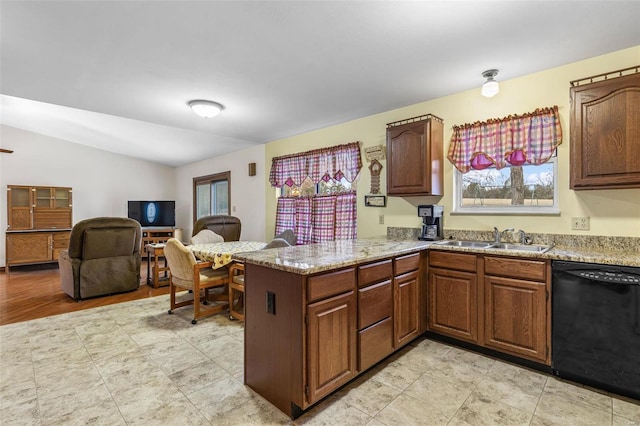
x=538, y=248
x=463, y=243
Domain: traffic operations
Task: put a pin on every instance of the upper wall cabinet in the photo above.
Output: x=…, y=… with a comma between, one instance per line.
x=414, y=156
x=605, y=131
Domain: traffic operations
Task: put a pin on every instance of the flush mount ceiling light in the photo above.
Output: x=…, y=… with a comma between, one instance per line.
x=206, y=109
x=490, y=87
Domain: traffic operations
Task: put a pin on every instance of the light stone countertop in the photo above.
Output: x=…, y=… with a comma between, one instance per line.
x=320, y=257
x=573, y=254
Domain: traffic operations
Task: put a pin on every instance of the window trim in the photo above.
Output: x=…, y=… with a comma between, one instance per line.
x=458, y=209
x=216, y=177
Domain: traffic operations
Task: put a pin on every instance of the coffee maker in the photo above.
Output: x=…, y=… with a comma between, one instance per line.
x=431, y=215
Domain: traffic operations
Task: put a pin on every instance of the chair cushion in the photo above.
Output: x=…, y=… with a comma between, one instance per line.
x=289, y=236
x=277, y=242
x=206, y=236
x=180, y=260
x=108, y=242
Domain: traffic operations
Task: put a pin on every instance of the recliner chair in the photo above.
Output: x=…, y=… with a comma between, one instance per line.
x=228, y=227
x=103, y=258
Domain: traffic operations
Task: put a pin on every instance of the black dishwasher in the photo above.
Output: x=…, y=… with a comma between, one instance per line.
x=596, y=325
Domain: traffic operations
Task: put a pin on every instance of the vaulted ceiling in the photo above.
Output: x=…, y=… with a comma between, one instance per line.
x=117, y=75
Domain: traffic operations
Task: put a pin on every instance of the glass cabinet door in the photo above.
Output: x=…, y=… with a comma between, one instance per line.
x=20, y=197
x=18, y=207
x=42, y=197
x=62, y=198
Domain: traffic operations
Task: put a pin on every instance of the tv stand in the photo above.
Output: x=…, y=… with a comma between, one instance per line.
x=158, y=235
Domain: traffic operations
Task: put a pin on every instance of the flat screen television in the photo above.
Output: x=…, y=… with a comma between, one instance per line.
x=153, y=213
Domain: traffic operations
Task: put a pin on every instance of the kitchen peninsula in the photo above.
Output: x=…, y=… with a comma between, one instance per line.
x=319, y=315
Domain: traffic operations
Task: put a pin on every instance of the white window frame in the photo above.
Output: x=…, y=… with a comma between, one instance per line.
x=458, y=208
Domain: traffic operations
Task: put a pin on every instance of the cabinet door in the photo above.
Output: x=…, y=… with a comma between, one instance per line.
x=61, y=198
x=29, y=247
x=405, y=315
x=453, y=304
x=605, y=130
x=414, y=158
x=19, y=207
x=331, y=344
x=516, y=317
x=42, y=197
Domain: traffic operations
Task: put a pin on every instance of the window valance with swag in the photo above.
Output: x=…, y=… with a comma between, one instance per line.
x=320, y=164
x=531, y=138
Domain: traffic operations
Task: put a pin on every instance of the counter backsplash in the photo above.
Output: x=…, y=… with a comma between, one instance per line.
x=598, y=242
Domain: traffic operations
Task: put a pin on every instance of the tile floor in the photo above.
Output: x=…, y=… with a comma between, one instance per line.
x=132, y=364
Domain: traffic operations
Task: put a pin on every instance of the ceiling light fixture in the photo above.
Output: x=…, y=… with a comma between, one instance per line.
x=205, y=109
x=490, y=87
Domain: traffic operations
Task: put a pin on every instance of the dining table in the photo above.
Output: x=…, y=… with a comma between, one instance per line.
x=221, y=254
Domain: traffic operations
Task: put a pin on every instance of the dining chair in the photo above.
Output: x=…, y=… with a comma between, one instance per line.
x=288, y=235
x=206, y=236
x=236, y=282
x=189, y=274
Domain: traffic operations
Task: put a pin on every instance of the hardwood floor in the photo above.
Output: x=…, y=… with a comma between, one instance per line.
x=31, y=292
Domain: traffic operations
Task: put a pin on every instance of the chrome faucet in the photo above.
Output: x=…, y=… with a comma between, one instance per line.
x=524, y=238
x=497, y=234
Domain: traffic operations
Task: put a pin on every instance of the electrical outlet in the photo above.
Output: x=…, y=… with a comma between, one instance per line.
x=580, y=223
x=381, y=219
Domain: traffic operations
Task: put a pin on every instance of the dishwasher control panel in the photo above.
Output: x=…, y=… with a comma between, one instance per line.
x=612, y=277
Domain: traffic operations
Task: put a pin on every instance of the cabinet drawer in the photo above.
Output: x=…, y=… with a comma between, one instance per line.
x=61, y=239
x=449, y=260
x=331, y=284
x=375, y=343
x=374, y=272
x=407, y=263
x=533, y=270
x=374, y=303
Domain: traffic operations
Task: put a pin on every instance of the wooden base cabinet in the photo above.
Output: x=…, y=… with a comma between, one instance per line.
x=406, y=299
x=331, y=344
x=307, y=335
x=453, y=295
x=25, y=248
x=516, y=315
x=503, y=305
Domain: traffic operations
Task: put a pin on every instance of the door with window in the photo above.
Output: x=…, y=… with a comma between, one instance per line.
x=211, y=195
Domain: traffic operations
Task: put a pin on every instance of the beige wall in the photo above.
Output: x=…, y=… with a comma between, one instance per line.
x=612, y=212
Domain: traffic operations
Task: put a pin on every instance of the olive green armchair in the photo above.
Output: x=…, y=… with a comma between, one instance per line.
x=103, y=258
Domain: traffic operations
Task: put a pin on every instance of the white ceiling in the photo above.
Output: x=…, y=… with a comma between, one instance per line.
x=117, y=75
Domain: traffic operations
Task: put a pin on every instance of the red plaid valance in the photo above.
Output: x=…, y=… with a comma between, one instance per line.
x=320, y=164
x=515, y=140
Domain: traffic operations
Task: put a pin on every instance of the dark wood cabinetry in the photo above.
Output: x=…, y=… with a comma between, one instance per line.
x=331, y=344
x=375, y=312
x=331, y=332
x=493, y=301
x=605, y=133
x=516, y=310
x=406, y=298
x=317, y=332
x=38, y=222
x=415, y=156
x=453, y=295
